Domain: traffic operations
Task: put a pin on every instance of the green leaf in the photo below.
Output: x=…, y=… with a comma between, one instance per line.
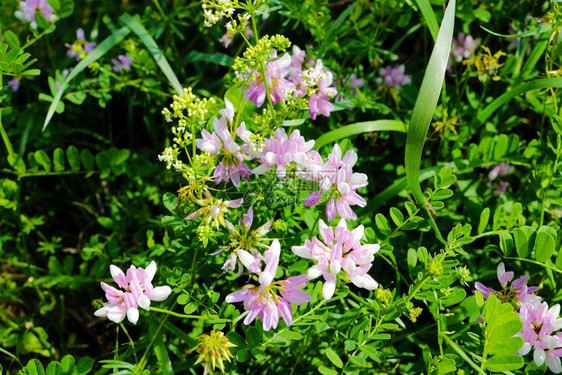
x=58, y=159
x=102, y=160
x=42, y=22
x=254, y=336
x=16, y=162
x=43, y=159
x=396, y=216
x=484, y=218
x=170, y=201
x=67, y=364
x=236, y=339
x=442, y=194
x=291, y=335
x=73, y=157
x=358, y=128
x=93, y=56
x=334, y=358
x=429, y=16
x=327, y=371
x=522, y=238
x=424, y=108
x=11, y=39
x=84, y=366
x=87, y=159
x=506, y=242
x=35, y=367
x=382, y=224
x=501, y=363
x=544, y=245
x=215, y=58
x=135, y=25
x=54, y=368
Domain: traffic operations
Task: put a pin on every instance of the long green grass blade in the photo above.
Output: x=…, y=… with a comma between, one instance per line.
x=538, y=84
x=93, y=56
x=539, y=30
x=153, y=48
x=429, y=16
x=425, y=106
x=358, y=128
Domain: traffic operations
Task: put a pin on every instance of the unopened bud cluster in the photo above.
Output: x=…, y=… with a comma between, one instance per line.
x=214, y=10
x=260, y=53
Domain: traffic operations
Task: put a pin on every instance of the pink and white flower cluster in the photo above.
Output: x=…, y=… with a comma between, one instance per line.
x=221, y=142
x=393, y=76
x=289, y=76
x=540, y=322
x=271, y=298
x=337, y=179
x=137, y=292
x=339, y=250
x=28, y=8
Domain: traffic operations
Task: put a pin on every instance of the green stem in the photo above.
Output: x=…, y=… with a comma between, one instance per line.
x=463, y=355
x=218, y=320
x=160, y=10
x=2, y=350
x=131, y=341
x=143, y=362
x=417, y=288
x=537, y=263
x=5, y=137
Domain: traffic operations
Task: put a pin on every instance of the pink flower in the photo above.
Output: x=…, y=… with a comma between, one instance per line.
x=122, y=63
x=464, y=47
x=28, y=8
x=393, y=77
x=317, y=82
x=340, y=249
x=264, y=301
x=539, y=324
x=14, y=83
x=516, y=293
x=138, y=292
x=280, y=151
x=336, y=177
x=80, y=48
x=214, y=209
x=221, y=142
x=276, y=72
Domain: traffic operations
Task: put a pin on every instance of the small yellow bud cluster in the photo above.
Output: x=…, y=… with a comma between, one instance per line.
x=237, y=27
x=280, y=225
x=414, y=313
x=260, y=53
x=434, y=267
x=384, y=296
x=464, y=275
x=204, y=233
x=170, y=157
x=213, y=349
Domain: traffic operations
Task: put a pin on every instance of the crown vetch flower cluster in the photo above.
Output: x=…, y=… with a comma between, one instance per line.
x=271, y=298
x=138, y=292
x=28, y=8
x=393, y=76
x=336, y=177
x=340, y=249
x=81, y=47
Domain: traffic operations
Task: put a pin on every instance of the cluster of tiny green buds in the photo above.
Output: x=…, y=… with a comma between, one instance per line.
x=312, y=76
x=204, y=233
x=260, y=53
x=464, y=275
x=414, y=313
x=384, y=296
x=188, y=107
x=281, y=225
x=213, y=349
x=181, y=137
x=214, y=10
x=434, y=267
x=256, y=142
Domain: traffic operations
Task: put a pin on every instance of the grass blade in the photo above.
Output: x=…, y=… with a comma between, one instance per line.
x=358, y=128
x=538, y=84
x=425, y=106
x=429, y=16
x=140, y=31
x=93, y=56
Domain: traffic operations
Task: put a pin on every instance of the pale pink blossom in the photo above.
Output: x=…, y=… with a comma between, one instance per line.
x=221, y=142
x=275, y=76
x=336, y=177
x=280, y=151
x=80, y=48
x=539, y=326
x=271, y=298
x=339, y=250
x=122, y=63
x=136, y=291
x=28, y=8
x=515, y=292
x=464, y=47
x=393, y=76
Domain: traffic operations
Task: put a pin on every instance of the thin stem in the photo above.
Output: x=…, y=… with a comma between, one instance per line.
x=417, y=288
x=157, y=309
x=5, y=137
x=131, y=341
x=143, y=362
x=463, y=355
x=160, y=10
x=2, y=350
x=537, y=263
